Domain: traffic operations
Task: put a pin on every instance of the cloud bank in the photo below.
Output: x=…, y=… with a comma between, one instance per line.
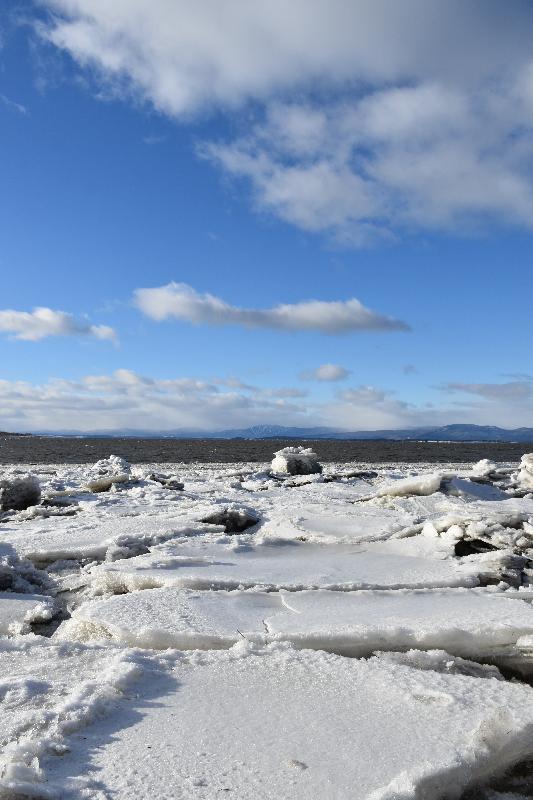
x=125, y=400
x=182, y=302
x=43, y=322
x=369, y=118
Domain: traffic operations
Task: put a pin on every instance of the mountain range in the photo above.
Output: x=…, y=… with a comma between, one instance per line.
x=446, y=433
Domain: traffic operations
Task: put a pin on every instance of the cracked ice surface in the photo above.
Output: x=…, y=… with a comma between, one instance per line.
x=343, y=646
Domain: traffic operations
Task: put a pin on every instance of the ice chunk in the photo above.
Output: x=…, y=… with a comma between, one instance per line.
x=295, y=461
x=461, y=487
x=235, y=519
x=18, y=492
x=525, y=471
x=106, y=472
x=277, y=723
x=418, y=485
x=170, y=481
x=483, y=468
x=19, y=611
x=287, y=565
x=17, y=574
x=353, y=524
x=97, y=537
x=168, y=617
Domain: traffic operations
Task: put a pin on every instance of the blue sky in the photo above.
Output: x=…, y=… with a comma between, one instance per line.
x=238, y=156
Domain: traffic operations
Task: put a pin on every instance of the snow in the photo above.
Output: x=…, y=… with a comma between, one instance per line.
x=295, y=461
x=264, y=633
x=49, y=692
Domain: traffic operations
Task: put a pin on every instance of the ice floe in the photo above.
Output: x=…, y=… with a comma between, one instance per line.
x=278, y=723
x=471, y=623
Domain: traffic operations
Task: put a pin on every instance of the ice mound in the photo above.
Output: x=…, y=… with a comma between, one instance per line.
x=235, y=519
x=108, y=471
x=525, y=471
x=19, y=492
x=295, y=461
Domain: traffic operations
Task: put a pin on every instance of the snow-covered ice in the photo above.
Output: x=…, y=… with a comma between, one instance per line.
x=264, y=631
x=277, y=723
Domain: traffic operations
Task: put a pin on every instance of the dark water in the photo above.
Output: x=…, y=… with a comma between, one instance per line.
x=48, y=449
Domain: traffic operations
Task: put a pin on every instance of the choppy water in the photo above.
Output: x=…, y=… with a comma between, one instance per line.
x=48, y=449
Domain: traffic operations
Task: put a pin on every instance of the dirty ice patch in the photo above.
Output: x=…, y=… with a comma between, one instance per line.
x=49, y=691
x=19, y=611
x=277, y=723
x=283, y=565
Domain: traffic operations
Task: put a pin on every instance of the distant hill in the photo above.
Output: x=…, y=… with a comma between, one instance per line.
x=446, y=433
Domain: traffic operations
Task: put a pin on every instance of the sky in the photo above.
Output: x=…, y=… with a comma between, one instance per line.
x=224, y=213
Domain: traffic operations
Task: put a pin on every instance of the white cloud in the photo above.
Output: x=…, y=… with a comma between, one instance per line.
x=325, y=372
x=425, y=118
x=181, y=55
x=42, y=322
x=182, y=302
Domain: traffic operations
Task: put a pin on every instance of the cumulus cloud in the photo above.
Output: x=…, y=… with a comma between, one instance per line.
x=425, y=118
x=43, y=322
x=182, y=302
x=325, y=372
